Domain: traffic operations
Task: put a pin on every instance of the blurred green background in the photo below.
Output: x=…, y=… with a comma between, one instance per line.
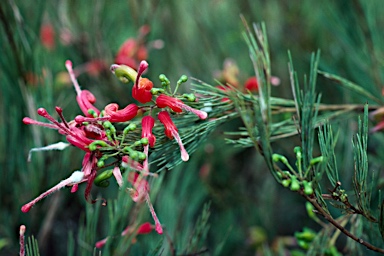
x=248, y=210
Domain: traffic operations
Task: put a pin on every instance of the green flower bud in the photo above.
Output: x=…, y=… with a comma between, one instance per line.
x=190, y=97
x=295, y=184
x=93, y=145
x=155, y=91
x=134, y=154
x=303, y=244
x=100, y=163
x=308, y=190
x=316, y=160
x=309, y=207
x=141, y=156
x=144, y=141
x=102, y=177
x=130, y=127
x=286, y=183
x=125, y=74
x=182, y=79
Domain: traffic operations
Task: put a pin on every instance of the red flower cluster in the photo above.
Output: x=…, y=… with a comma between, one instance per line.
x=94, y=133
x=133, y=50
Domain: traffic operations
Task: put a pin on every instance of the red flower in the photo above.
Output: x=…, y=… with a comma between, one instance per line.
x=74, y=135
x=84, y=98
x=177, y=105
x=139, y=193
x=172, y=132
x=252, y=84
x=133, y=50
x=47, y=36
x=130, y=53
x=147, y=124
x=122, y=115
x=144, y=228
x=141, y=91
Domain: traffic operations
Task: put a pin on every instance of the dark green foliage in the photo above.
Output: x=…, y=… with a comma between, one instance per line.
x=235, y=177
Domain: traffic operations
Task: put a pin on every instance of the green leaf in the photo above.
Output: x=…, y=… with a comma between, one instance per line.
x=350, y=85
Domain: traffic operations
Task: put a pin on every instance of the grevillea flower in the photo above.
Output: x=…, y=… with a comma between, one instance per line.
x=122, y=115
x=75, y=178
x=177, y=105
x=147, y=124
x=172, y=132
x=139, y=193
x=22, y=240
x=144, y=228
x=77, y=137
x=141, y=91
x=251, y=84
x=127, y=162
x=133, y=50
x=84, y=98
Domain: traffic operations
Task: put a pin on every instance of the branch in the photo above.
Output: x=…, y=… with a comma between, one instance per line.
x=329, y=218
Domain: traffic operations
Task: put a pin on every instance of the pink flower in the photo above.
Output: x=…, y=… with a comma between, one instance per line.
x=177, y=105
x=127, y=162
x=139, y=193
x=122, y=115
x=22, y=240
x=75, y=178
x=147, y=124
x=172, y=132
x=84, y=98
x=74, y=135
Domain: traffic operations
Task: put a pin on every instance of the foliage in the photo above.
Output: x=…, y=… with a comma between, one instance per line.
x=239, y=192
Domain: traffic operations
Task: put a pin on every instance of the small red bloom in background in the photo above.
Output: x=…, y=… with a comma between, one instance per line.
x=143, y=229
x=225, y=89
x=133, y=50
x=47, y=36
x=252, y=84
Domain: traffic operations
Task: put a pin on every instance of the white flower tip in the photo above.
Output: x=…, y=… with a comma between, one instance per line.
x=77, y=176
x=114, y=67
x=184, y=156
x=22, y=230
x=202, y=114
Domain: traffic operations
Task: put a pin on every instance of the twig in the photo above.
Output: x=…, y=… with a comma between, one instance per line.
x=329, y=218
